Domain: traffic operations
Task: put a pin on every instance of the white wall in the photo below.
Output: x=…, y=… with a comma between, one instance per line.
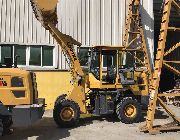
x=92, y=22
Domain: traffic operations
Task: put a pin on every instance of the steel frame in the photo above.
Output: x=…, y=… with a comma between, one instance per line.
x=159, y=62
x=134, y=35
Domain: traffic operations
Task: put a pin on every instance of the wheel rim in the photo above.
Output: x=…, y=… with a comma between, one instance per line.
x=130, y=110
x=67, y=113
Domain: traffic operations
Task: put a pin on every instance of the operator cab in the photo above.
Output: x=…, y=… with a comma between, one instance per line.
x=107, y=65
x=105, y=61
x=114, y=67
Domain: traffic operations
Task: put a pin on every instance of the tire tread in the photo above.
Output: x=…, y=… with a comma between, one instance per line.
x=119, y=110
x=57, y=108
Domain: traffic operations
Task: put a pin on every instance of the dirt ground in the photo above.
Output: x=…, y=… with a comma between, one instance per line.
x=94, y=128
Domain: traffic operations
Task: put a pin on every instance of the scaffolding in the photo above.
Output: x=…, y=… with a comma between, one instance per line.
x=171, y=63
x=134, y=37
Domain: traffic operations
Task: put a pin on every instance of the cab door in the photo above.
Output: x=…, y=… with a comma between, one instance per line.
x=109, y=66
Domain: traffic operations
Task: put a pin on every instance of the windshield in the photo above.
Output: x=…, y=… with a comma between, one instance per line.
x=94, y=65
x=83, y=55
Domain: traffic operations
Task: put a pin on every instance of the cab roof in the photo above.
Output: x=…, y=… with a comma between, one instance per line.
x=122, y=48
x=109, y=47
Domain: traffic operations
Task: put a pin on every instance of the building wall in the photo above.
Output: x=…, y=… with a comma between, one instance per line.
x=92, y=22
x=101, y=22
x=18, y=24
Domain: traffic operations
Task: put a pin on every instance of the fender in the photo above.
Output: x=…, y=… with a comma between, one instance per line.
x=61, y=97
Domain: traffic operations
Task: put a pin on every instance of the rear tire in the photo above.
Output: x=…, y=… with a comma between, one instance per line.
x=1, y=128
x=129, y=110
x=7, y=122
x=66, y=113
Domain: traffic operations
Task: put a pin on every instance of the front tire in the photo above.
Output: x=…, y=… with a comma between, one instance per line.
x=129, y=110
x=66, y=113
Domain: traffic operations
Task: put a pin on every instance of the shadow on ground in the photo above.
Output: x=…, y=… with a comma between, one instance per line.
x=160, y=114
x=45, y=129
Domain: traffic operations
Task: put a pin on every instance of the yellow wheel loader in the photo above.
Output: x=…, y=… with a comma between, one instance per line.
x=119, y=88
x=19, y=102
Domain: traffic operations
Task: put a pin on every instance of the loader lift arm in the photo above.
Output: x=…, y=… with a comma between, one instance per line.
x=66, y=42
x=45, y=12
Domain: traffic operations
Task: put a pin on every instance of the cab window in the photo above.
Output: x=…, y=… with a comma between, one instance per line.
x=17, y=82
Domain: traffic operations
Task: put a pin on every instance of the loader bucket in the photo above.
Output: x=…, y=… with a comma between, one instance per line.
x=45, y=11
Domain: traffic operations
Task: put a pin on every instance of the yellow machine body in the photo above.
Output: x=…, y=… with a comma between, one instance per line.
x=47, y=5
x=137, y=88
x=19, y=102
x=140, y=76
x=46, y=11
x=107, y=87
x=16, y=87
